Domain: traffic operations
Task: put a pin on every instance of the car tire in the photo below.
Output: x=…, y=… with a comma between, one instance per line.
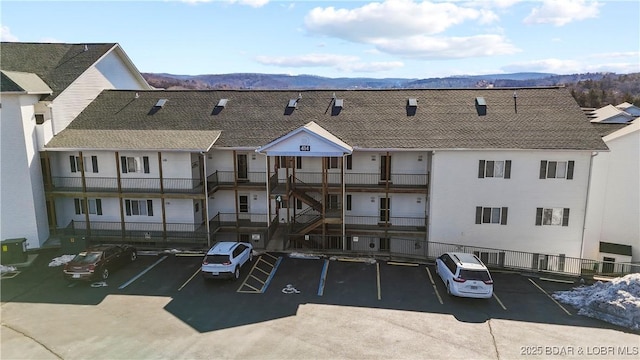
x=104, y=274
x=134, y=256
x=236, y=273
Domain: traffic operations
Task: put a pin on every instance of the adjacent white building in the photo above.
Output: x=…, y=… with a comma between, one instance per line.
x=44, y=87
x=612, y=231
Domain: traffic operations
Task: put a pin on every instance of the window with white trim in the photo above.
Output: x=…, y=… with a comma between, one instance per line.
x=552, y=216
x=134, y=164
x=138, y=207
x=556, y=169
x=491, y=215
x=494, y=169
x=93, y=206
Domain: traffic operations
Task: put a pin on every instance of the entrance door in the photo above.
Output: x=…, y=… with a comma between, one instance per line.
x=385, y=167
x=242, y=167
x=243, y=211
x=385, y=209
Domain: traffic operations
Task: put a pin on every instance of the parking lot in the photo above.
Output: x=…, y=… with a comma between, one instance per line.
x=287, y=307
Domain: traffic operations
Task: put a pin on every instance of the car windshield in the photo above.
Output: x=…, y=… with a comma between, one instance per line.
x=481, y=275
x=87, y=257
x=217, y=259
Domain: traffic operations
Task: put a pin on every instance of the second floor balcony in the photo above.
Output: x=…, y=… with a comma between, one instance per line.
x=125, y=185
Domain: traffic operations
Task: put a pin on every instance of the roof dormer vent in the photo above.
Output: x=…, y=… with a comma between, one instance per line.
x=481, y=106
x=412, y=106
x=219, y=106
x=86, y=48
x=159, y=105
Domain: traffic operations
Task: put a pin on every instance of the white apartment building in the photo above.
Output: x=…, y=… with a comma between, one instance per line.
x=387, y=171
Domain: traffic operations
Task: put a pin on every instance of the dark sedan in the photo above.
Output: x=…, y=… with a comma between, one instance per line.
x=96, y=262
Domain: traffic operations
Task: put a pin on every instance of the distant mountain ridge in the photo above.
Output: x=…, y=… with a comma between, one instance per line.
x=258, y=81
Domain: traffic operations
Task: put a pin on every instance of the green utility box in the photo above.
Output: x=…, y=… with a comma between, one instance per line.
x=14, y=251
x=73, y=244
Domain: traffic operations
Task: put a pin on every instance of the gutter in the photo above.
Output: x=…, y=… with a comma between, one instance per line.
x=586, y=201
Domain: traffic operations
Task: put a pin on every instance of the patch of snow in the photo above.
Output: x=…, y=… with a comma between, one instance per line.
x=7, y=269
x=616, y=302
x=296, y=255
x=61, y=260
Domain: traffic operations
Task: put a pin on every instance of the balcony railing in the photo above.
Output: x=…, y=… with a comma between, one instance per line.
x=138, y=232
x=418, y=224
x=362, y=179
x=127, y=185
x=229, y=178
x=254, y=220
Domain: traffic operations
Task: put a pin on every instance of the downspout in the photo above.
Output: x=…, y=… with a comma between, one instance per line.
x=586, y=202
x=206, y=198
x=344, y=203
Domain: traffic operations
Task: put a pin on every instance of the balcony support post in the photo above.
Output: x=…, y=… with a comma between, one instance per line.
x=120, y=199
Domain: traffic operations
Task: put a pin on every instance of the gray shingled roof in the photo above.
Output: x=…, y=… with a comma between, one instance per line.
x=546, y=118
x=58, y=65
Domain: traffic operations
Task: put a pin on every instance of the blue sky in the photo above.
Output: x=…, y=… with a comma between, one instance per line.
x=394, y=38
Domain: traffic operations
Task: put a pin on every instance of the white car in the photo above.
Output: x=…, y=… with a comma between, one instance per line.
x=225, y=259
x=464, y=275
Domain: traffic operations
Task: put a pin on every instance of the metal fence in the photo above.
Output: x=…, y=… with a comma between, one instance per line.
x=420, y=249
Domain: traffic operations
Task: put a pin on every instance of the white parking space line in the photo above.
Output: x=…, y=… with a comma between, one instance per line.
x=323, y=277
x=499, y=302
x=192, y=276
x=142, y=273
x=402, y=263
x=549, y=296
x=434, y=285
x=378, y=280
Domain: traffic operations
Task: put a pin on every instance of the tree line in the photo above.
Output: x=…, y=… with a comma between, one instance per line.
x=612, y=89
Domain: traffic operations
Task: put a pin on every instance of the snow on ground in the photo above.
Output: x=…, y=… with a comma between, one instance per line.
x=616, y=302
x=7, y=269
x=61, y=260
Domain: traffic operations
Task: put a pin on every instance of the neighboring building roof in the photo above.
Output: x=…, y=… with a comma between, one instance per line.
x=57, y=64
x=605, y=129
x=610, y=113
x=542, y=118
x=634, y=126
x=14, y=81
x=629, y=108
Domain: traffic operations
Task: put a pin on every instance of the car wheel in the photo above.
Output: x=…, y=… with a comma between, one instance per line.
x=134, y=256
x=236, y=273
x=104, y=274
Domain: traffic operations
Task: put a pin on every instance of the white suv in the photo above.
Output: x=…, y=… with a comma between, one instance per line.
x=225, y=259
x=464, y=275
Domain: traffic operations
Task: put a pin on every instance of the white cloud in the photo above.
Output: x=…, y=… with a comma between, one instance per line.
x=306, y=60
x=407, y=28
x=426, y=47
x=391, y=19
x=617, y=55
x=560, y=13
x=345, y=63
x=6, y=35
x=567, y=66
